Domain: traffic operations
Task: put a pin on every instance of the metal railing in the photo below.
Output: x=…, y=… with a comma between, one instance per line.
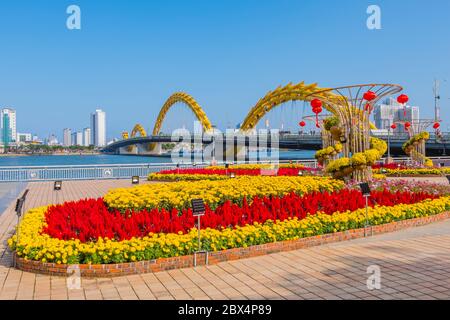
x=79, y=172
x=102, y=171
x=126, y=171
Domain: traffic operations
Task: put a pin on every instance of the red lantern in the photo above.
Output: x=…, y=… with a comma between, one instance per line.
x=316, y=105
x=407, y=125
x=436, y=125
x=394, y=126
x=302, y=123
x=403, y=98
x=369, y=108
x=369, y=96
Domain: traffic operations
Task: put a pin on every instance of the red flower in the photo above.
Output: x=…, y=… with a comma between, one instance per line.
x=87, y=220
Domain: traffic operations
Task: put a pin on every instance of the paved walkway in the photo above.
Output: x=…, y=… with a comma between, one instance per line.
x=413, y=264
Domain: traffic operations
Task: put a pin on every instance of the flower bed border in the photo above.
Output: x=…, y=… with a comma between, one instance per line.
x=413, y=175
x=163, y=264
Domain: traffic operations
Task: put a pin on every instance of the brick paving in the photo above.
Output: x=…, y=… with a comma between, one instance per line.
x=414, y=264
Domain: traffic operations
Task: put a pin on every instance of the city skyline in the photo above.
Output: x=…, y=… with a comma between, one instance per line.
x=384, y=115
x=87, y=136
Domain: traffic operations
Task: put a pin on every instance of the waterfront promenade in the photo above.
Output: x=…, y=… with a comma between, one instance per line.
x=414, y=265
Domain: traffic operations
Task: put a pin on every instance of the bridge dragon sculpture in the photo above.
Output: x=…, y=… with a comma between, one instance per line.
x=273, y=99
x=177, y=97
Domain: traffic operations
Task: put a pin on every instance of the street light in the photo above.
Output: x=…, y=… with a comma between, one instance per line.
x=389, y=144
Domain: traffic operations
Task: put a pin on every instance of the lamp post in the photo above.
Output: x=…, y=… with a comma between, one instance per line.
x=389, y=144
x=392, y=127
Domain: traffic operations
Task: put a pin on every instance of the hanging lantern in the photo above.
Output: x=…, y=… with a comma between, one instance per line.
x=407, y=125
x=369, y=95
x=302, y=123
x=369, y=108
x=436, y=126
x=316, y=105
x=394, y=126
x=403, y=99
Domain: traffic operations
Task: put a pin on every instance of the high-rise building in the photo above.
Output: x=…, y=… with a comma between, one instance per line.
x=390, y=111
x=77, y=138
x=87, y=137
x=98, y=128
x=67, y=137
x=8, y=126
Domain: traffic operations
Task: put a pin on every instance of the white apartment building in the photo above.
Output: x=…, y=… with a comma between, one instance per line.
x=67, y=137
x=98, y=128
x=77, y=138
x=87, y=137
x=390, y=111
x=24, y=138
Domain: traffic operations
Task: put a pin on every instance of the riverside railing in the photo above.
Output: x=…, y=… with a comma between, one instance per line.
x=100, y=171
x=126, y=171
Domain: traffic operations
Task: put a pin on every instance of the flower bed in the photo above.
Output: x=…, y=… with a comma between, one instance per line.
x=35, y=245
x=87, y=220
x=179, y=195
x=406, y=186
x=405, y=172
x=246, y=166
x=163, y=264
x=222, y=174
x=154, y=221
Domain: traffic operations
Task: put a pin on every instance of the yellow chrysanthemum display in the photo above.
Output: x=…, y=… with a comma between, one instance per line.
x=179, y=194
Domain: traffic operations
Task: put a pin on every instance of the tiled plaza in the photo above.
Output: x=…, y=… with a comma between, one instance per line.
x=414, y=264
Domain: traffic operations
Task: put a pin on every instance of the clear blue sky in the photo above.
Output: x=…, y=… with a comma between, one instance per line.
x=130, y=56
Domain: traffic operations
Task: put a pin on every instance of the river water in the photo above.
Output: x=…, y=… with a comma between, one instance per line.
x=9, y=191
x=50, y=160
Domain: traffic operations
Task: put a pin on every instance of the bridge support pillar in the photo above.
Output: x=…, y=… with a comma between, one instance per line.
x=143, y=149
x=126, y=151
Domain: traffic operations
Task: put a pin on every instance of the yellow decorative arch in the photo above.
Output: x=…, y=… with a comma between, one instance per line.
x=189, y=101
x=137, y=129
x=290, y=92
x=272, y=99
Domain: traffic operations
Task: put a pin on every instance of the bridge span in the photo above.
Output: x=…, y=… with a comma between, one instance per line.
x=435, y=147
